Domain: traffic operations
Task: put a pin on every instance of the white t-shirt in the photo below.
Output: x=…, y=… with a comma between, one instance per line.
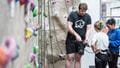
x=101, y=40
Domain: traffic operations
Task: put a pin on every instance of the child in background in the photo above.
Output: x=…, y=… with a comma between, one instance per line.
x=114, y=42
x=100, y=44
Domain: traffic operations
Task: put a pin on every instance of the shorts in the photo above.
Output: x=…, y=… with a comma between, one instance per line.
x=74, y=47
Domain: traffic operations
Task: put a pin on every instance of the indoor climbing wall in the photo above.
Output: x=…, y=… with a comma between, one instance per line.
x=33, y=32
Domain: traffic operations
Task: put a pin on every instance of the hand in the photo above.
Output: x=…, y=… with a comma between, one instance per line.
x=78, y=38
x=97, y=51
x=85, y=42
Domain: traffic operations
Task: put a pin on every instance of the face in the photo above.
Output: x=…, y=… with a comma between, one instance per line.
x=105, y=29
x=82, y=12
x=110, y=27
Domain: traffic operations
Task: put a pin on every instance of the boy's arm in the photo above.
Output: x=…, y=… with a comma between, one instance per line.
x=87, y=32
x=88, y=28
x=116, y=43
x=71, y=30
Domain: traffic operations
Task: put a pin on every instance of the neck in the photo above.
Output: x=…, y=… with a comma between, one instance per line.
x=98, y=30
x=112, y=28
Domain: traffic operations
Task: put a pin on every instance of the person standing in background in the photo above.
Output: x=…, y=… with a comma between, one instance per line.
x=114, y=39
x=100, y=44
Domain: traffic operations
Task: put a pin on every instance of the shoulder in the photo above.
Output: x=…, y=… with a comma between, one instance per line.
x=87, y=15
x=102, y=35
x=96, y=35
x=117, y=30
x=73, y=12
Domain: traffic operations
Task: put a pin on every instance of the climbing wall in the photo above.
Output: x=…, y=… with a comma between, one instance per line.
x=42, y=46
x=12, y=24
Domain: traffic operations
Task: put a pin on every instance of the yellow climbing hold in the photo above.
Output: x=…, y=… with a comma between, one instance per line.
x=28, y=32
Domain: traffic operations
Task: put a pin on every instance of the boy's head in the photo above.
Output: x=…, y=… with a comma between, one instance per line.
x=111, y=23
x=99, y=25
x=82, y=9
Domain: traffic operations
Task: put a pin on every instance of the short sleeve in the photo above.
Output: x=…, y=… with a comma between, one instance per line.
x=89, y=20
x=70, y=17
x=94, y=39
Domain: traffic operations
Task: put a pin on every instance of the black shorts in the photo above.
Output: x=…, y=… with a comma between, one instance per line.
x=74, y=47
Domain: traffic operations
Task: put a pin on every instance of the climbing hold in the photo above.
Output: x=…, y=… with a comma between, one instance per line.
x=35, y=49
x=3, y=57
x=28, y=66
x=53, y=2
x=27, y=1
x=37, y=27
x=65, y=16
x=22, y=2
x=31, y=1
x=67, y=1
x=74, y=8
x=32, y=6
x=32, y=57
x=9, y=1
x=35, y=33
x=28, y=32
x=16, y=54
x=27, y=20
x=16, y=0
x=35, y=12
x=7, y=50
x=38, y=65
x=45, y=14
x=56, y=13
x=10, y=45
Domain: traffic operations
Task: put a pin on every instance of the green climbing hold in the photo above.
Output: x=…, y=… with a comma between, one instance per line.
x=45, y=14
x=27, y=66
x=35, y=12
x=38, y=65
x=35, y=49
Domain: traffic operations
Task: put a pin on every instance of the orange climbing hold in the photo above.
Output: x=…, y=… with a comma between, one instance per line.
x=3, y=58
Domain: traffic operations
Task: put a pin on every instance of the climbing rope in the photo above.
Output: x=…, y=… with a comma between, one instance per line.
x=40, y=32
x=44, y=31
x=49, y=17
x=55, y=34
x=66, y=6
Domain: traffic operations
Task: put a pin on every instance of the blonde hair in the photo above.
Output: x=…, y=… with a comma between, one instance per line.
x=99, y=25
